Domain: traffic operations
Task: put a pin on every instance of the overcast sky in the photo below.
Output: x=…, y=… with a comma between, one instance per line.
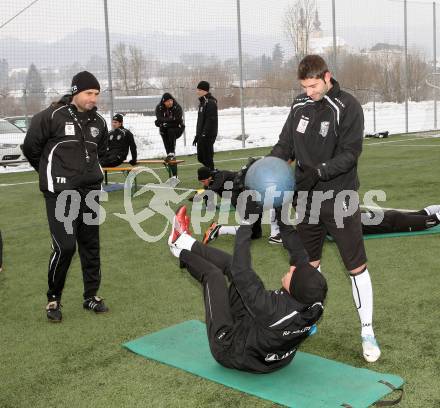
x=360, y=22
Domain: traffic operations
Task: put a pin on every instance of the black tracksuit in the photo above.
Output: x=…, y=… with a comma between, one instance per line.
x=207, y=128
x=327, y=135
x=399, y=221
x=217, y=185
x=170, y=124
x=119, y=141
x=249, y=328
x=64, y=146
x=171, y=127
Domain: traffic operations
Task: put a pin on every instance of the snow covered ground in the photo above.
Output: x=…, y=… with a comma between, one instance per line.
x=262, y=126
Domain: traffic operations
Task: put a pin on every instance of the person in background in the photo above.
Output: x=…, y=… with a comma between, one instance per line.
x=169, y=120
x=120, y=140
x=207, y=125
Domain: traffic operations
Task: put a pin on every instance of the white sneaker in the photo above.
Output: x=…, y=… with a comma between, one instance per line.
x=432, y=209
x=370, y=348
x=173, y=181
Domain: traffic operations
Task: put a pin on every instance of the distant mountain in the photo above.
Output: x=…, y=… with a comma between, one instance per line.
x=78, y=47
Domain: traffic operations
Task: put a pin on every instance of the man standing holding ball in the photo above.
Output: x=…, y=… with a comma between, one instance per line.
x=324, y=133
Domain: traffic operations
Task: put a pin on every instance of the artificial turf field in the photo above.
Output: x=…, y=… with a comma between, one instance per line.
x=80, y=362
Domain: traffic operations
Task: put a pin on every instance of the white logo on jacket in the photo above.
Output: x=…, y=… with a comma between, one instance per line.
x=302, y=125
x=324, y=128
x=69, y=129
x=94, y=131
x=277, y=357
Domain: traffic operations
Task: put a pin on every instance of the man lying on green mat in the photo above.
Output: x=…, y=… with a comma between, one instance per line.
x=250, y=328
x=393, y=221
x=402, y=221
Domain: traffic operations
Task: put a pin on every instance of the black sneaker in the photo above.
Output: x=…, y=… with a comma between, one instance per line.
x=53, y=311
x=275, y=239
x=170, y=157
x=96, y=304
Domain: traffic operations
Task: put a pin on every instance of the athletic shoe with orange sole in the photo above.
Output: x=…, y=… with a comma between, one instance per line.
x=211, y=233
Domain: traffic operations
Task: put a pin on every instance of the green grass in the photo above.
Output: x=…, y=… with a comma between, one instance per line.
x=80, y=363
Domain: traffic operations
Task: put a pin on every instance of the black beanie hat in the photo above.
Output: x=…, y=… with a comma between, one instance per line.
x=308, y=285
x=203, y=85
x=84, y=80
x=204, y=173
x=118, y=117
x=166, y=96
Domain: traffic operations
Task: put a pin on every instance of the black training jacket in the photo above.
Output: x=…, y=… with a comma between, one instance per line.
x=326, y=134
x=119, y=141
x=219, y=178
x=267, y=337
x=169, y=117
x=207, y=118
x=65, y=153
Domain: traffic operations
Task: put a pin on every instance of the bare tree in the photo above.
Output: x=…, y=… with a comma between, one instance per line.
x=298, y=25
x=121, y=64
x=137, y=67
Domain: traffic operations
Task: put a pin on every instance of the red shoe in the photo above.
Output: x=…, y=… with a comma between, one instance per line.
x=180, y=225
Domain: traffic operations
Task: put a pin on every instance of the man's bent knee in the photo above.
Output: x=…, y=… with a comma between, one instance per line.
x=358, y=270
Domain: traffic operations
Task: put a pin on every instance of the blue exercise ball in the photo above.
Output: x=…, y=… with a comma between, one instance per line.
x=268, y=176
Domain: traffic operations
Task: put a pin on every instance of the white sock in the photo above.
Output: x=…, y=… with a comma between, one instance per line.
x=175, y=251
x=274, y=228
x=363, y=299
x=185, y=241
x=228, y=230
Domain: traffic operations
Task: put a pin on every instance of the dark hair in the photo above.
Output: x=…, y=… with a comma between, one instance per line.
x=312, y=66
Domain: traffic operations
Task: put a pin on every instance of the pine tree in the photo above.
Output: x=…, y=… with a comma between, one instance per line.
x=34, y=89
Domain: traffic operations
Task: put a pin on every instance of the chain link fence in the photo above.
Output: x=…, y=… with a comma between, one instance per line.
x=383, y=51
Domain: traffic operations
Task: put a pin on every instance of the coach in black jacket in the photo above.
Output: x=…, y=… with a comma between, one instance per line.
x=64, y=144
x=207, y=125
x=250, y=328
x=324, y=134
x=120, y=140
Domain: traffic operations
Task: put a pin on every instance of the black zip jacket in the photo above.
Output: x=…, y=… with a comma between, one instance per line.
x=169, y=118
x=207, y=118
x=119, y=141
x=66, y=153
x=327, y=135
x=219, y=178
x=267, y=338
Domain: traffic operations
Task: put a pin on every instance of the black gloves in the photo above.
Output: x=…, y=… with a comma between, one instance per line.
x=307, y=178
x=157, y=122
x=133, y=162
x=249, y=210
x=241, y=175
x=196, y=139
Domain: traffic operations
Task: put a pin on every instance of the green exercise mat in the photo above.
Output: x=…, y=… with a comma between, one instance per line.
x=429, y=231
x=308, y=382
x=433, y=230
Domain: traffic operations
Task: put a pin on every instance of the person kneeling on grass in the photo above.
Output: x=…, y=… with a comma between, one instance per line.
x=250, y=328
x=217, y=182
